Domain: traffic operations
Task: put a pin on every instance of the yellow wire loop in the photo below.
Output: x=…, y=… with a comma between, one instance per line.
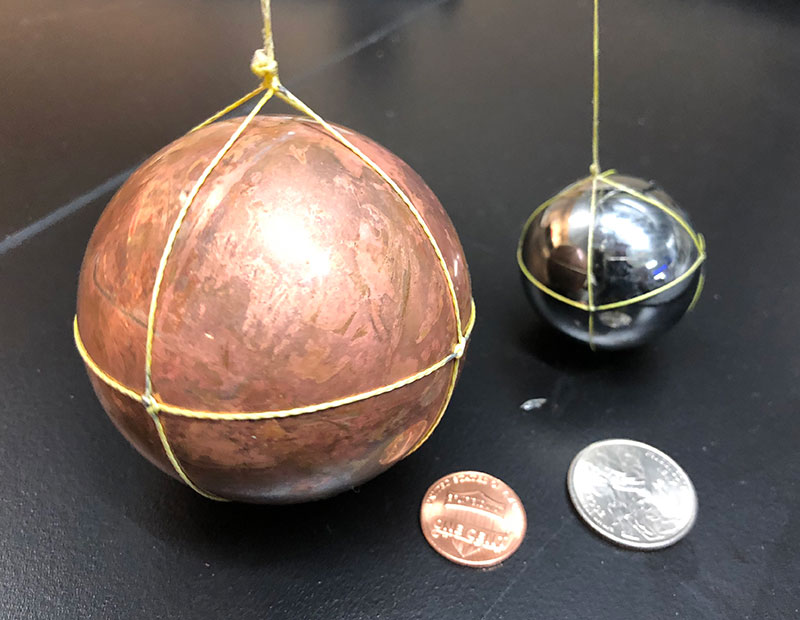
x=594, y=168
x=162, y=265
x=597, y=177
x=289, y=98
x=603, y=177
x=151, y=403
x=229, y=108
x=265, y=67
x=589, y=258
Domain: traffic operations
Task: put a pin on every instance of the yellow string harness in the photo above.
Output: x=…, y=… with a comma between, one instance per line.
x=265, y=67
x=598, y=177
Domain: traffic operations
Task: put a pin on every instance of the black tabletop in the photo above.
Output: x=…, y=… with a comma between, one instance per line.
x=490, y=103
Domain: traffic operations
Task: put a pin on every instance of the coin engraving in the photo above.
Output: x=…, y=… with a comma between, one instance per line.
x=473, y=518
x=632, y=493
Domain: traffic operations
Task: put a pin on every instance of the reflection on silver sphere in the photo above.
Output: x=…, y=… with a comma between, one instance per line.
x=645, y=263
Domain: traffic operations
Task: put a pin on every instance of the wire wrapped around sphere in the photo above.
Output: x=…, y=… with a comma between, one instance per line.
x=298, y=277
x=614, y=271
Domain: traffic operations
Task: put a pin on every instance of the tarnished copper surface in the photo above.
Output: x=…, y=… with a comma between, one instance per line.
x=473, y=518
x=298, y=277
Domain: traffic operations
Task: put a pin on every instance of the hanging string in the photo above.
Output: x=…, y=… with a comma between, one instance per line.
x=147, y=398
x=601, y=181
x=151, y=404
x=229, y=108
x=265, y=66
x=198, y=414
x=594, y=169
x=590, y=258
x=289, y=98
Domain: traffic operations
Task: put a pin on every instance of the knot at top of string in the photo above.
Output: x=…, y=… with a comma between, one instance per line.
x=264, y=64
x=265, y=67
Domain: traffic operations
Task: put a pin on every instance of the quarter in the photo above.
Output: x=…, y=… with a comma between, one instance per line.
x=472, y=518
x=632, y=494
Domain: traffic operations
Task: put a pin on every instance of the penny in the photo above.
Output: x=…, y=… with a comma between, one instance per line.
x=632, y=494
x=472, y=518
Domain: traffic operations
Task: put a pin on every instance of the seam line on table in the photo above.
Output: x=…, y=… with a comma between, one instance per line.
x=19, y=237
x=518, y=576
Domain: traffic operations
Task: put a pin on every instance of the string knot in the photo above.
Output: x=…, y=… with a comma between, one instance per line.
x=594, y=170
x=265, y=67
x=150, y=404
x=458, y=351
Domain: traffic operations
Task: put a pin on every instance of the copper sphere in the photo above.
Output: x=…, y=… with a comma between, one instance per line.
x=298, y=277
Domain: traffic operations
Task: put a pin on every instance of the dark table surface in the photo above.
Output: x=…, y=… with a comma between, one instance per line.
x=489, y=101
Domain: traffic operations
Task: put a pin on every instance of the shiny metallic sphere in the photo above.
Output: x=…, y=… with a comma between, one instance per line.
x=644, y=267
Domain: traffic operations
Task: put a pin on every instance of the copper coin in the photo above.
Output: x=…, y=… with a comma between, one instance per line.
x=472, y=518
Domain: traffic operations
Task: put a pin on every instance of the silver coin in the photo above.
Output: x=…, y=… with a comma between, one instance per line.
x=632, y=493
